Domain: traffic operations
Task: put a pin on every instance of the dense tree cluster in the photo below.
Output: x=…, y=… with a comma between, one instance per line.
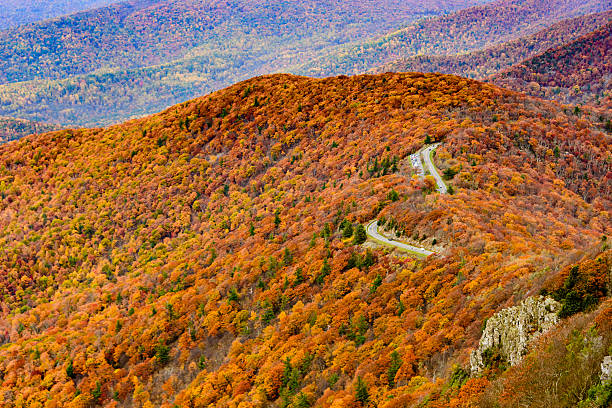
x=203, y=256
x=150, y=54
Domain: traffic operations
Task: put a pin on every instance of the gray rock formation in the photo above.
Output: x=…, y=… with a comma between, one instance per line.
x=510, y=331
x=606, y=369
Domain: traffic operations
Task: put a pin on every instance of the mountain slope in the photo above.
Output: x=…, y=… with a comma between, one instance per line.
x=14, y=13
x=483, y=63
x=577, y=72
x=198, y=257
x=466, y=30
x=11, y=129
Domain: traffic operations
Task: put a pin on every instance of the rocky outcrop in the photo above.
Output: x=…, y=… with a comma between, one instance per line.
x=606, y=369
x=509, y=331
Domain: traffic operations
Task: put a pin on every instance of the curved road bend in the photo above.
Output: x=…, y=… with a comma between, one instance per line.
x=372, y=231
x=372, y=228
x=426, y=153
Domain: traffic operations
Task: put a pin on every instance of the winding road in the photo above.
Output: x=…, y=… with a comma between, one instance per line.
x=372, y=227
x=372, y=231
x=417, y=164
x=426, y=153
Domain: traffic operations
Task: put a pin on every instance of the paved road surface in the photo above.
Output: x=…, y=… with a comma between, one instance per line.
x=415, y=159
x=372, y=231
x=417, y=165
x=426, y=153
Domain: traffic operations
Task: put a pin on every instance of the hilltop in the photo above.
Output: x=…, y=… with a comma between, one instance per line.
x=149, y=54
x=199, y=257
x=137, y=57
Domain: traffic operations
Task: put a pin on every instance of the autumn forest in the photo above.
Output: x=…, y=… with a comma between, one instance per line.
x=427, y=239
x=198, y=257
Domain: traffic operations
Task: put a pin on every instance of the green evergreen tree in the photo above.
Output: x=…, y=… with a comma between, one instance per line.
x=396, y=363
x=70, y=370
x=400, y=308
x=233, y=295
x=287, y=257
x=347, y=231
x=96, y=393
x=302, y=401
x=162, y=353
x=392, y=195
x=361, y=392
x=299, y=277
x=360, y=235
x=313, y=240
x=325, y=270
x=377, y=282
x=287, y=372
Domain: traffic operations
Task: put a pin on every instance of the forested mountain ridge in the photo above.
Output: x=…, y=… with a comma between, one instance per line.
x=200, y=256
x=578, y=72
x=481, y=64
x=15, y=13
x=88, y=68
x=463, y=31
x=133, y=58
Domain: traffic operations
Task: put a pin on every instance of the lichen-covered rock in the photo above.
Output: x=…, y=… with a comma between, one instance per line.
x=606, y=369
x=509, y=331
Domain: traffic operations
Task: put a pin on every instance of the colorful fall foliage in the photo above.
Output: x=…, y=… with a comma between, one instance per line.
x=198, y=257
x=475, y=28
x=577, y=72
